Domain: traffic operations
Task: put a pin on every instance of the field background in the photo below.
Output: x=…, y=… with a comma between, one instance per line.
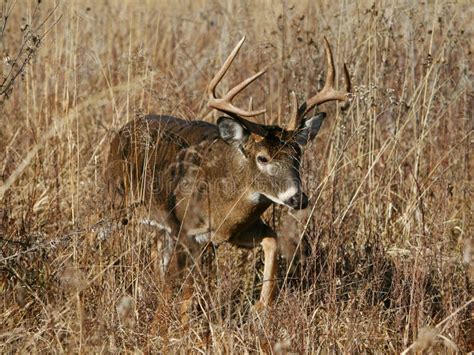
x=385, y=257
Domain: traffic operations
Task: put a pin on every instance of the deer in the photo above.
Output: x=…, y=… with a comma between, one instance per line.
x=207, y=183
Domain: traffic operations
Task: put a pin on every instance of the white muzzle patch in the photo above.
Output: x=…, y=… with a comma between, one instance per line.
x=282, y=196
x=286, y=195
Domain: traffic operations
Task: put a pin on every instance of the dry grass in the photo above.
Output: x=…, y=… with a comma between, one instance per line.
x=388, y=237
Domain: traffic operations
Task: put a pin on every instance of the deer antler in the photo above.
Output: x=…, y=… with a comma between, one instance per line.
x=224, y=104
x=328, y=93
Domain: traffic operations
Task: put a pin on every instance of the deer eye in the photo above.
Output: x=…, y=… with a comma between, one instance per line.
x=262, y=159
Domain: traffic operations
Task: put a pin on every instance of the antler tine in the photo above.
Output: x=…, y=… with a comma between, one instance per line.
x=238, y=88
x=347, y=80
x=293, y=124
x=225, y=103
x=328, y=93
x=220, y=74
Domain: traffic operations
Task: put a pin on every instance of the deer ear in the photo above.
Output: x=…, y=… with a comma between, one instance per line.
x=310, y=128
x=232, y=131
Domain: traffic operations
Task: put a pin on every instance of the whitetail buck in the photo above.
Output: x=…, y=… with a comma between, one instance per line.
x=204, y=182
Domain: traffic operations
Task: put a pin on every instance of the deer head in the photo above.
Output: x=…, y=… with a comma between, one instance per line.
x=274, y=152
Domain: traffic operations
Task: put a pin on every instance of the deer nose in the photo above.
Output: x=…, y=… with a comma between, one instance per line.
x=298, y=201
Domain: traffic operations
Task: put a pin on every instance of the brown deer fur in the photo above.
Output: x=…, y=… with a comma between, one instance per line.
x=210, y=183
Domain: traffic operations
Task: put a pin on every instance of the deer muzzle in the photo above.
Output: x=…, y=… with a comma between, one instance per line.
x=298, y=201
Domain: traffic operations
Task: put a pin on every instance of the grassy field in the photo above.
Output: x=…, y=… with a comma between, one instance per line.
x=385, y=260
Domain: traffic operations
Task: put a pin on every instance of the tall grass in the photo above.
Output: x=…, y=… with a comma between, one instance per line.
x=385, y=257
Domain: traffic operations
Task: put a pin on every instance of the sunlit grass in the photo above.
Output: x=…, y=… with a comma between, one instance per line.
x=386, y=242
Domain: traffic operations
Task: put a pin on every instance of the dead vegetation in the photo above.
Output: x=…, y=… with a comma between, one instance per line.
x=386, y=257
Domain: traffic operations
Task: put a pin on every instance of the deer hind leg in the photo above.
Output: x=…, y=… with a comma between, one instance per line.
x=186, y=300
x=168, y=265
x=161, y=254
x=162, y=247
x=174, y=262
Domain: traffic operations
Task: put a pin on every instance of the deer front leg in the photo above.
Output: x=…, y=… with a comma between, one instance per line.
x=269, y=245
x=261, y=233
